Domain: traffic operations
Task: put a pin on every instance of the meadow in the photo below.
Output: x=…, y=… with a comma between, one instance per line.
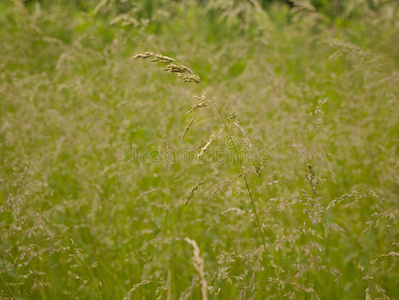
x=124, y=133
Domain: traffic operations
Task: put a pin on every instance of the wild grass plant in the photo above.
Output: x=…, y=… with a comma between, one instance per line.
x=316, y=217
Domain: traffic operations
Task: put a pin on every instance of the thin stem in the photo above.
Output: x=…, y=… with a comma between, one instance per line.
x=217, y=109
x=5, y=283
x=241, y=167
x=246, y=185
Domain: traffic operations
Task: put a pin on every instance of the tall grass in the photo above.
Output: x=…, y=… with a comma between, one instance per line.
x=315, y=218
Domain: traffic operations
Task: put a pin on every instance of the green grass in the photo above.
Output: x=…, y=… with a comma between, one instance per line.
x=78, y=221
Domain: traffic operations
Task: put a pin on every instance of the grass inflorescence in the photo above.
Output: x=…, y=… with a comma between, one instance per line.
x=255, y=158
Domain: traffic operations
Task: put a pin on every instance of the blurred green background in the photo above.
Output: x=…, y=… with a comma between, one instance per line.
x=78, y=221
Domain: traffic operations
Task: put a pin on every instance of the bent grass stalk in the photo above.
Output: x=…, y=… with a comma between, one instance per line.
x=199, y=266
x=188, y=76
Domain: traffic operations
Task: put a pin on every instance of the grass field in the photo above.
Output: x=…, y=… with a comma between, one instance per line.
x=101, y=198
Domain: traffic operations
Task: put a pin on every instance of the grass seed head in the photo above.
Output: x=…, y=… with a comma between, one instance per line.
x=195, y=107
x=189, y=78
x=191, y=191
x=202, y=98
x=203, y=149
x=155, y=57
x=187, y=128
x=172, y=68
